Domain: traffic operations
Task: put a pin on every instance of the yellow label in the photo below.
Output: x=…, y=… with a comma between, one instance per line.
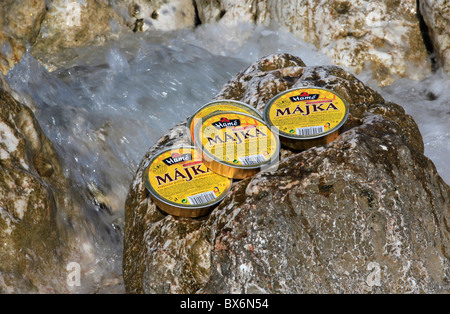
x=306, y=112
x=222, y=105
x=237, y=139
x=179, y=176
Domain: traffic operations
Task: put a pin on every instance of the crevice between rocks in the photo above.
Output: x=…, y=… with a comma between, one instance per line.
x=197, y=20
x=427, y=40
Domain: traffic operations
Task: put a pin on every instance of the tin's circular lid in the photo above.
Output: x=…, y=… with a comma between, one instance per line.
x=237, y=140
x=306, y=113
x=178, y=177
x=219, y=105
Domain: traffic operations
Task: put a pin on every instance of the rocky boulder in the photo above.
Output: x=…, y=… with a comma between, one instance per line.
x=32, y=194
x=383, y=36
x=46, y=234
x=46, y=238
x=367, y=213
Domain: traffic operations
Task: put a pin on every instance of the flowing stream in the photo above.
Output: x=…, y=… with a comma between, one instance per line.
x=108, y=105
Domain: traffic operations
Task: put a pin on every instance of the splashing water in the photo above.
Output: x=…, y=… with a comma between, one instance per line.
x=109, y=104
x=428, y=102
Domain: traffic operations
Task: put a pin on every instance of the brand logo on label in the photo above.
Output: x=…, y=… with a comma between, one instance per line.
x=304, y=96
x=224, y=123
x=177, y=158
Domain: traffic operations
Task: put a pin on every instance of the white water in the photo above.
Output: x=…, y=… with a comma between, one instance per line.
x=428, y=102
x=110, y=104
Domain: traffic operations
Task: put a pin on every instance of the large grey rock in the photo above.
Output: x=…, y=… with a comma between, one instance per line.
x=367, y=213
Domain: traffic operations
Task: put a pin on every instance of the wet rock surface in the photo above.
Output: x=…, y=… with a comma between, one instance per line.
x=32, y=188
x=45, y=236
x=367, y=213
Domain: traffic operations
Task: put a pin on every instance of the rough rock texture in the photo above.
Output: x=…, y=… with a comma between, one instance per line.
x=78, y=23
x=32, y=188
x=383, y=36
x=231, y=11
x=367, y=213
x=436, y=15
x=74, y=23
x=164, y=15
x=42, y=227
x=19, y=26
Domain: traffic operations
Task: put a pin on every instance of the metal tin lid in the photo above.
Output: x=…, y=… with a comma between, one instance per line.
x=306, y=113
x=178, y=178
x=222, y=105
x=237, y=140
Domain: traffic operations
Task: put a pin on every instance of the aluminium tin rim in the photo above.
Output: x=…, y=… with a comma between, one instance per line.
x=215, y=159
x=305, y=137
x=156, y=195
